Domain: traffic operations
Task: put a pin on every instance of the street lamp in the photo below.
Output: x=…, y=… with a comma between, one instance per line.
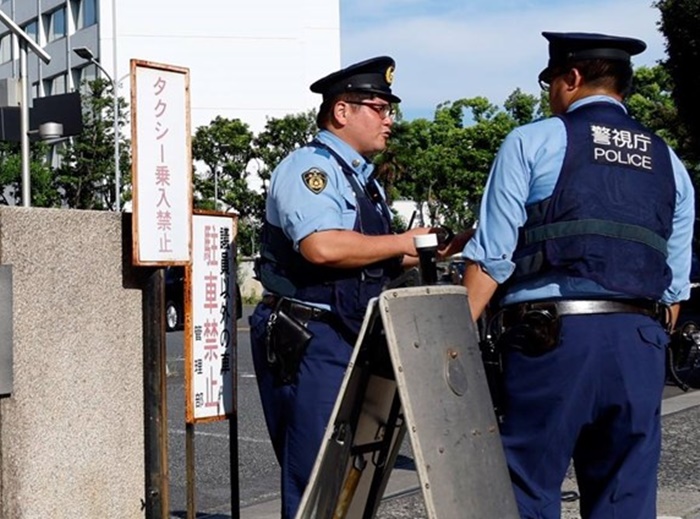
x=86, y=54
x=25, y=44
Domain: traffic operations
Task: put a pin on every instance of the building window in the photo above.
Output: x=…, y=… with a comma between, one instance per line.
x=83, y=75
x=5, y=48
x=85, y=12
x=55, y=85
x=55, y=22
x=32, y=30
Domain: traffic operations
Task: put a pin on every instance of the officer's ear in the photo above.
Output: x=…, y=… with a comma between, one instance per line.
x=573, y=79
x=341, y=109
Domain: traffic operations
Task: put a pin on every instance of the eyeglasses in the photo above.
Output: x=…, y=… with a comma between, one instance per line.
x=546, y=84
x=384, y=110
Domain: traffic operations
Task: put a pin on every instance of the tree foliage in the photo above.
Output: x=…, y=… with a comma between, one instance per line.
x=651, y=103
x=43, y=189
x=443, y=164
x=281, y=137
x=238, y=164
x=224, y=148
x=680, y=24
x=86, y=176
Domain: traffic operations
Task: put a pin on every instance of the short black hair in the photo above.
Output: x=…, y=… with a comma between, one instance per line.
x=325, y=111
x=612, y=75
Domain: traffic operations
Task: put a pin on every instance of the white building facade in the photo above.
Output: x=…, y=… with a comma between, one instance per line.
x=247, y=60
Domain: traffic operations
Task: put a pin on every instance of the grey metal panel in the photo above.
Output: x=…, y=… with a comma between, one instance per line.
x=50, y=5
x=6, y=329
x=419, y=344
x=359, y=419
x=6, y=69
x=453, y=430
x=58, y=50
x=9, y=92
x=24, y=11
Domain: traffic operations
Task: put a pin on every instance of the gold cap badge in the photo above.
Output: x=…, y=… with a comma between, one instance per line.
x=389, y=75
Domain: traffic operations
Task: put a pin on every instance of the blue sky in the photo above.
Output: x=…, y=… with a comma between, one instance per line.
x=452, y=49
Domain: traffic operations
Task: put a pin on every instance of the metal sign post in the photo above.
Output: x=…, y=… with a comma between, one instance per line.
x=161, y=236
x=419, y=373
x=210, y=340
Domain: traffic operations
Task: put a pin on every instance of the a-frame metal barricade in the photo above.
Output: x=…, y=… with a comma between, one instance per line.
x=416, y=368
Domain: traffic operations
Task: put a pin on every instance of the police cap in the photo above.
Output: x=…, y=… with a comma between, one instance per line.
x=373, y=76
x=566, y=47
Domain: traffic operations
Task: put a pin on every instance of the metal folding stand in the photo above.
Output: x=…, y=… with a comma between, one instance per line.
x=416, y=368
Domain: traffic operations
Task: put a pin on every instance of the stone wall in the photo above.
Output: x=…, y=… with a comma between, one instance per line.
x=72, y=431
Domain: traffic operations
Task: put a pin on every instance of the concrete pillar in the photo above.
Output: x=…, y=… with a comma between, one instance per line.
x=72, y=431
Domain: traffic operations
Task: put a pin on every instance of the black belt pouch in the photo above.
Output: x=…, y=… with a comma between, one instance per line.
x=288, y=342
x=536, y=333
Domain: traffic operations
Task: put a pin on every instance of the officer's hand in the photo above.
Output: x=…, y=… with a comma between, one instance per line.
x=410, y=248
x=456, y=245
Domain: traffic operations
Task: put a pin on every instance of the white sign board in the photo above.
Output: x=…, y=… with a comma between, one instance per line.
x=210, y=324
x=161, y=164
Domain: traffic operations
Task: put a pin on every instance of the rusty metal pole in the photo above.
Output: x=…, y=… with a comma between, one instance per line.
x=155, y=397
x=233, y=419
x=190, y=471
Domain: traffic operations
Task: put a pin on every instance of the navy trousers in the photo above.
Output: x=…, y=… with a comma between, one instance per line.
x=596, y=398
x=297, y=414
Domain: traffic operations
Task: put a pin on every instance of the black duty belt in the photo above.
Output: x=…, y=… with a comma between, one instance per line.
x=653, y=309
x=299, y=311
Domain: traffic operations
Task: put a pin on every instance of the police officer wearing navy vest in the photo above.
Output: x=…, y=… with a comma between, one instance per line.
x=327, y=249
x=585, y=229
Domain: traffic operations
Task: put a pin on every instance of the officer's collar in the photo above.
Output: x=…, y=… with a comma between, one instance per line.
x=595, y=99
x=357, y=162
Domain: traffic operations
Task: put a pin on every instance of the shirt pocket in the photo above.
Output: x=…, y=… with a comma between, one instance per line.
x=349, y=210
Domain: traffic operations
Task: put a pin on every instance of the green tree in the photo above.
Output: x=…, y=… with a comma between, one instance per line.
x=225, y=148
x=281, y=137
x=521, y=106
x=43, y=188
x=86, y=176
x=443, y=164
x=680, y=24
x=651, y=103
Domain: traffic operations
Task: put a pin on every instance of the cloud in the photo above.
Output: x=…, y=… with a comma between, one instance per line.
x=487, y=48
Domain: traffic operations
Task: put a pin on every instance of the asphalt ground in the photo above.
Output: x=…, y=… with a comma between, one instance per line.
x=258, y=472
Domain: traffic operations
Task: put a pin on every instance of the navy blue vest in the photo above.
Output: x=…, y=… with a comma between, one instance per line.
x=611, y=212
x=285, y=272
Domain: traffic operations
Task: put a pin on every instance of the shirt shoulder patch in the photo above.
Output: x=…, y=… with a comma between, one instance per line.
x=315, y=179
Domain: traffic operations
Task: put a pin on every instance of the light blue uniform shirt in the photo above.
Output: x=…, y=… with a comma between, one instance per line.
x=292, y=206
x=296, y=209
x=525, y=171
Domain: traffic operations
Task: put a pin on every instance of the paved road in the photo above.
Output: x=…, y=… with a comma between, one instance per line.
x=679, y=476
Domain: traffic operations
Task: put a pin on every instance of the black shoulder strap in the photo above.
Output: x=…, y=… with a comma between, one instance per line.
x=372, y=193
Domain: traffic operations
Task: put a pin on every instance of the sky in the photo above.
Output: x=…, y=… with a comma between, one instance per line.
x=453, y=49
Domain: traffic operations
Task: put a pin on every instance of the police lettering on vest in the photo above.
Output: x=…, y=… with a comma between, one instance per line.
x=621, y=147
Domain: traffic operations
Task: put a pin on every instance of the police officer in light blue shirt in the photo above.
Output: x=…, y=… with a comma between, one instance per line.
x=585, y=229
x=327, y=249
